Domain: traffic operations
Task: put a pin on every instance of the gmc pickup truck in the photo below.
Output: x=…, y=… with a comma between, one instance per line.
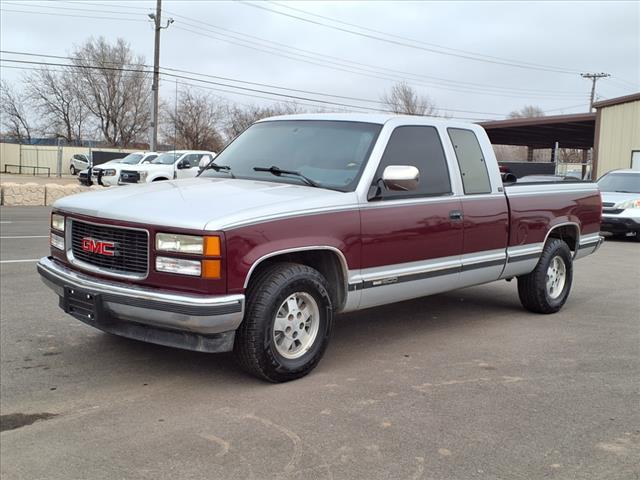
x=305, y=216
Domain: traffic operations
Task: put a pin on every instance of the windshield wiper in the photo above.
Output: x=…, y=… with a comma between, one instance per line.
x=624, y=191
x=277, y=171
x=219, y=168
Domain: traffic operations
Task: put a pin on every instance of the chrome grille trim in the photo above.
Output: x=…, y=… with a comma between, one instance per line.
x=142, y=264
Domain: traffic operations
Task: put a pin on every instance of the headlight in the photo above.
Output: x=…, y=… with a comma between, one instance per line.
x=629, y=204
x=57, y=222
x=172, y=242
x=57, y=241
x=190, y=244
x=109, y=172
x=178, y=265
x=143, y=175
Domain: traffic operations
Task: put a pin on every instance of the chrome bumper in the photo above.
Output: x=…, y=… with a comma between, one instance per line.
x=193, y=322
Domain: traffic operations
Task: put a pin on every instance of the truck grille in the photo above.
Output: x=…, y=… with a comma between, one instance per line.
x=614, y=211
x=129, y=176
x=117, y=250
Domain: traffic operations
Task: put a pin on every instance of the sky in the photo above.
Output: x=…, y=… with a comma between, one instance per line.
x=474, y=60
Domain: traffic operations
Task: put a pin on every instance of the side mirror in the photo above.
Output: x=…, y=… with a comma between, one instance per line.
x=401, y=177
x=182, y=164
x=204, y=161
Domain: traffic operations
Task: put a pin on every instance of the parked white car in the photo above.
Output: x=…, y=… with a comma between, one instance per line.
x=108, y=174
x=167, y=166
x=620, y=191
x=78, y=162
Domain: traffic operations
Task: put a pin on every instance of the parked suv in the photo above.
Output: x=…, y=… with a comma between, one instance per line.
x=621, y=202
x=108, y=174
x=79, y=161
x=167, y=166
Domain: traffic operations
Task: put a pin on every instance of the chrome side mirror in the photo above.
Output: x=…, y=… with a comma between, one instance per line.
x=401, y=177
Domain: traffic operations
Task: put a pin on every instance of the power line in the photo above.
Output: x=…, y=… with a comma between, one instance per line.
x=64, y=8
x=32, y=12
x=378, y=76
x=418, y=47
x=437, y=83
x=446, y=81
x=267, y=85
x=434, y=45
x=253, y=90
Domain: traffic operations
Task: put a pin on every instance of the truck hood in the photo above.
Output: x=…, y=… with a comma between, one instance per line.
x=204, y=203
x=618, y=197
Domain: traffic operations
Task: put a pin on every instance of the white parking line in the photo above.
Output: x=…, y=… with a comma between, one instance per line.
x=5, y=221
x=26, y=236
x=20, y=261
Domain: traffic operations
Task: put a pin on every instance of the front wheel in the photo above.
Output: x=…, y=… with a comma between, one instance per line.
x=73, y=170
x=545, y=290
x=287, y=324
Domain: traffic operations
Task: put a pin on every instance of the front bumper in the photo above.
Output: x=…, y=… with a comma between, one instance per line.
x=618, y=224
x=191, y=322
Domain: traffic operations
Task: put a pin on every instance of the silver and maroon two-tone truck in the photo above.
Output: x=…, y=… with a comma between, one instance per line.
x=305, y=216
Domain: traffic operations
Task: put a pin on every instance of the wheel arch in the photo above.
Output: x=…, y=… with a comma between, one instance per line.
x=568, y=232
x=329, y=261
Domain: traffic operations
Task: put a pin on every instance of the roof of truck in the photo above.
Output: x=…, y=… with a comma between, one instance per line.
x=378, y=118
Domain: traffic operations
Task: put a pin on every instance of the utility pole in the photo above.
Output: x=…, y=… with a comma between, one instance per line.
x=157, y=21
x=594, y=78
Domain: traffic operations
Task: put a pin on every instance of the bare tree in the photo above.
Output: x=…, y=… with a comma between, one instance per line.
x=56, y=98
x=239, y=118
x=13, y=113
x=403, y=98
x=118, y=93
x=194, y=124
x=528, y=111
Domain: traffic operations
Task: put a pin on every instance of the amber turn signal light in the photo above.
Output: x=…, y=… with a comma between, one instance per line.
x=212, y=246
x=211, y=268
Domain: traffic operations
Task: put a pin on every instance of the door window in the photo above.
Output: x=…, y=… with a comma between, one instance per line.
x=191, y=160
x=420, y=147
x=475, y=177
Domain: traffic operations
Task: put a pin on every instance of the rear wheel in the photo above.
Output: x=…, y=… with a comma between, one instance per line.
x=545, y=290
x=287, y=324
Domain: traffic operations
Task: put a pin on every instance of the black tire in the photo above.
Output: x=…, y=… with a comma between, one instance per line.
x=254, y=348
x=532, y=288
x=73, y=170
x=161, y=179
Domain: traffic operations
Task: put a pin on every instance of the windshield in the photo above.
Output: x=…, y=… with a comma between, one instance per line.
x=330, y=153
x=131, y=159
x=166, y=158
x=620, y=182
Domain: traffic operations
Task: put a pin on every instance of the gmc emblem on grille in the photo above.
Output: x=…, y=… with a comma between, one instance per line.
x=100, y=247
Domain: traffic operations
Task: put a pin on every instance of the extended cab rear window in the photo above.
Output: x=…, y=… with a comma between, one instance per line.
x=475, y=177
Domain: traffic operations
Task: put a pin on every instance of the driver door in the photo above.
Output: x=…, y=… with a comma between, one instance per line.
x=187, y=166
x=411, y=240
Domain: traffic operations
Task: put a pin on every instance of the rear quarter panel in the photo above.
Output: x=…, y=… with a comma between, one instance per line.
x=534, y=210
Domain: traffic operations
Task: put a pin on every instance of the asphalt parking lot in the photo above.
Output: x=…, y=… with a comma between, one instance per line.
x=462, y=385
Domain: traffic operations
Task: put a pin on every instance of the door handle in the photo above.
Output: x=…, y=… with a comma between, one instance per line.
x=455, y=215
